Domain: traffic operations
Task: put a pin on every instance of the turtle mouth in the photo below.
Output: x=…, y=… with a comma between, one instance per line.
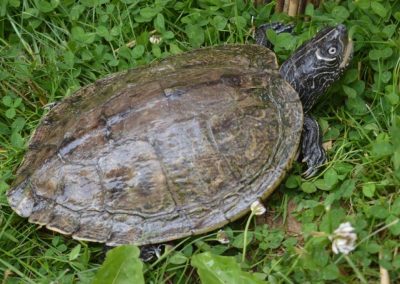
x=348, y=53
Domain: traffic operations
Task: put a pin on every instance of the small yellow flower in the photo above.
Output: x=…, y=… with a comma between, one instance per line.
x=257, y=208
x=343, y=239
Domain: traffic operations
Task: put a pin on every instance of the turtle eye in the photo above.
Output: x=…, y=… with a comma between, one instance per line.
x=332, y=50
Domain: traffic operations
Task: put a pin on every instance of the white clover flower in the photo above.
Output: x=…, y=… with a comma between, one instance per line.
x=343, y=239
x=257, y=208
x=155, y=39
x=222, y=237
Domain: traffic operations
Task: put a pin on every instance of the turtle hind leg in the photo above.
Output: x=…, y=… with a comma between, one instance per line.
x=261, y=37
x=311, y=146
x=149, y=253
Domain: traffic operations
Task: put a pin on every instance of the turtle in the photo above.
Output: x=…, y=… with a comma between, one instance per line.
x=178, y=147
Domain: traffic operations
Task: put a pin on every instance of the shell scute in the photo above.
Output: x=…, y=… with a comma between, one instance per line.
x=176, y=148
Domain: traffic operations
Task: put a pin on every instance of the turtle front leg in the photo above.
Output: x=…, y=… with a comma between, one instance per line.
x=261, y=37
x=311, y=146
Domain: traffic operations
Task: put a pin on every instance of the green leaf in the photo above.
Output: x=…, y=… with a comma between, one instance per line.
x=363, y=4
x=159, y=23
x=382, y=148
x=195, y=35
x=329, y=199
x=10, y=113
x=174, y=49
x=125, y=52
x=156, y=50
x=368, y=189
x=79, y=35
x=293, y=181
x=378, y=9
x=137, y=51
x=62, y=248
x=356, y=105
x=331, y=220
x=14, y=3
x=3, y=8
x=4, y=129
x=69, y=59
x=309, y=9
x=178, y=258
x=75, y=252
x=148, y=12
x=343, y=168
x=130, y=1
x=309, y=227
x=122, y=266
x=239, y=240
x=8, y=101
x=55, y=241
x=373, y=247
x=347, y=188
x=272, y=239
x=330, y=177
x=351, y=75
x=376, y=54
x=285, y=40
x=330, y=272
x=340, y=13
x=115, y=31
x=113, y=62
x=358, y=86
x=18, y=124
x=379, y=212
x=395, y=208
x=86, y=55
x=322, y=184
x=4, y=75
x=215, y=269
x=395, y=225
x=393, y=98
x=386, y=76
x=219, y=22
x=272, y=36
x=17, y=140
x=332, y=134
x=168, y=35
x=389, y=30
x=90, y=3
x=239, y=21
x=104, y=32
x=349, y=91
x=76, y=11
x=46, y=6
x=17, y=102
x=308, y=187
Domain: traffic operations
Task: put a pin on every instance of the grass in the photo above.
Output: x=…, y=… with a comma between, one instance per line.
x=48, y=49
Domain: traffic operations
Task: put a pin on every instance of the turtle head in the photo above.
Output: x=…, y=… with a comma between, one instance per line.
x=318, y=63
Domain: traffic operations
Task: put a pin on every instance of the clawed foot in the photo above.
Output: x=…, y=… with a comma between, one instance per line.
x=148, y=253
x=151, y=252
x=313, y=161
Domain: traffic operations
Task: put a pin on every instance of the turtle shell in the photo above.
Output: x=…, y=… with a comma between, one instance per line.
x=175, y=148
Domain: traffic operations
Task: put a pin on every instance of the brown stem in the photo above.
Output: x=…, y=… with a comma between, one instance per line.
x=293, y=6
